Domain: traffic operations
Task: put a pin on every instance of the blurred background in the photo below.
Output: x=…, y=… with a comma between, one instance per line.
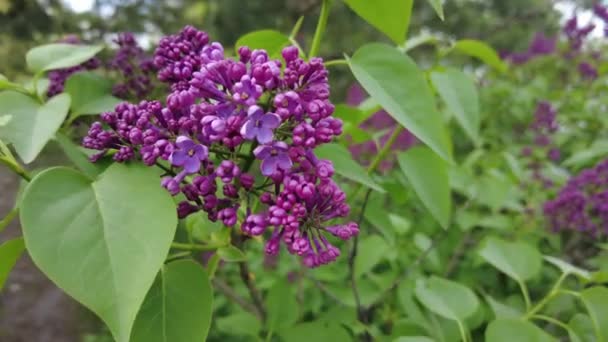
x=31, y=308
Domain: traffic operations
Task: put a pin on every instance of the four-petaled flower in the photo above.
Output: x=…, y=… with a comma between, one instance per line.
x=274, y=157
x=188, y=154
x=260, y=125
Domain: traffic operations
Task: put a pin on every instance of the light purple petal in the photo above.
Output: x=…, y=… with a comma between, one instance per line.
x=184, y=142
x=192, y=165
x=270, y=120
x=201, y=152
x=280, y=145
x=264, y=135
x=283, y=161
x=269, y=166
x=262, y=152
x=178, y=158
x=248, y=131
x=254, y=111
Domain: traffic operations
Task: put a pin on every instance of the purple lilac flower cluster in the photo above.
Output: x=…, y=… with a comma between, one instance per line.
x=539, y=46
x=378, y=122
x=239, y=110
x=601, y=12
x=134, y=66
x=576, y=35
x=543, y=127
x=583, y=203
x=58, y=77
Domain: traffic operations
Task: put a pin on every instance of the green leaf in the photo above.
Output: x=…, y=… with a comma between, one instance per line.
x=77, y=156
x=231, y=254
x=501, y=310
x=5, y=119
x=581, y=328
x=510, y=330
x=459, y=93
x=270, y=40
x=588, y=155
x=447, y=298
x=438, y=7
x=596, y=302
x=59, y=56
x=428, y=175
x=391, y=17
x=10, y=251
x=315, y=331
x=101, y=241
x=241, y=323
x=281, y=306
x=481, y=51
x=518, y=260
x=345, y=166
x=5, y=84
x=32, y=125
x=178, y=306
x=372, y=249
x=91, y=94
x=568, y=268
x=413, y=339
x=394, y=80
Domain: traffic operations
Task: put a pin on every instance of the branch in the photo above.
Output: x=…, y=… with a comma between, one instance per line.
x=227, y=291
x=245, y=276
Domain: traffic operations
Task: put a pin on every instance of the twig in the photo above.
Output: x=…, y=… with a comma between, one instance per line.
x=352, y=256
x=227, y=291
x=244, y=272
x=458, y=254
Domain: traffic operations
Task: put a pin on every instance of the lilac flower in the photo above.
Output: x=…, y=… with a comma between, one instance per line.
x=274, y=158
x=246, y=91
x=188, y=154
x=260, y=125
x=587, y=71
x=133, y=66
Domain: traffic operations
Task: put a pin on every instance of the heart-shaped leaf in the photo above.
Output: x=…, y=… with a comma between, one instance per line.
x=9, y=254
x=345, y=166
x=59, y=56
x=91, y=94
x=447, y=298
x=31, y=125
x=392, y=79
x=510, y=330
x=459, y=93
x=391, y=17
x=101, y=241
x=270, y=40
x=428, y=175
x=178, y=307
x=518, y=260
x=596, y=302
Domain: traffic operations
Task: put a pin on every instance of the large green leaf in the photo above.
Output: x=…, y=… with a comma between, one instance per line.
x=481, y=51
x=438, y=7
x=178, y=307
x=345, y=166
x=596, y=302
x=396, y=83
x=581, y=328
x=391, y=17
x=59, y=56
x=447, y=298
x=428, y=175
x=241, y=323
x=510, y=330
x=9, y=254
x=315, y=331
x=518, y=260
x=270, y=40
x=101, y=241
x=77, y=156
x=459, y=93
x=31, y=125
x=372, y=249
x=281, y=306
x=91, y=94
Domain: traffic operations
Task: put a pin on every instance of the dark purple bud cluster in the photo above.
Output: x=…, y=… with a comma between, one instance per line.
x=134, y=67
x=222, y=115
x=539, y=46
x=58, y=77
x=583, y=203
x=543, y=126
